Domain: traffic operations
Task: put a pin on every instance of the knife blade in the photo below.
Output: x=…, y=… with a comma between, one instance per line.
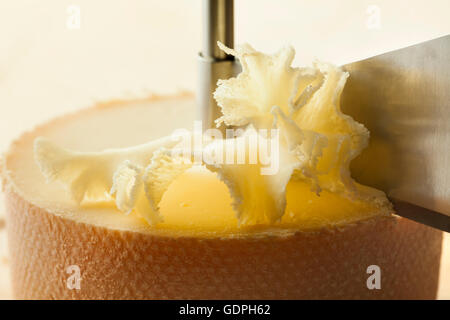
x=403, y=98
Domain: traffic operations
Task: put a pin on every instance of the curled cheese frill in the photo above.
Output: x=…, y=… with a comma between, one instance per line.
x=316, y=143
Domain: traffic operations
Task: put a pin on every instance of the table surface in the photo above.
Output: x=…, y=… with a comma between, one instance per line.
x=5, y=286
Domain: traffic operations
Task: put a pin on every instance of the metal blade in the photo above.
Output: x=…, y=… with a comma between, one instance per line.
x=403, y=98
x=419, y=214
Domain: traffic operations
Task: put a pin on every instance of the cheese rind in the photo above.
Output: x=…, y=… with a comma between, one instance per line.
x=122, y=264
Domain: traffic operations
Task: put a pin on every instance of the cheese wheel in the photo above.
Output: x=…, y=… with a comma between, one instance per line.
x=60, y=250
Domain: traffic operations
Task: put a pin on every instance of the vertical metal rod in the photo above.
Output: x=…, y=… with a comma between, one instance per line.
x=218, y=25
x=214, y=64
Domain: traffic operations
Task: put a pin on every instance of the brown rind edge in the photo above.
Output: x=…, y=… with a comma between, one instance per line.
x=328, y=264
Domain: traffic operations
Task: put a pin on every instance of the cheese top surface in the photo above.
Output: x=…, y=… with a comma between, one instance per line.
x=115, y=166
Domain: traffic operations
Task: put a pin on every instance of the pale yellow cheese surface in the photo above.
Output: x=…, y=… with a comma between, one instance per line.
x=196, y=204
x=199, y=201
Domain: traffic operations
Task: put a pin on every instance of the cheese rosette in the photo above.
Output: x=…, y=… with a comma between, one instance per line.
x=310, y=140
x=304, y=104
x=257, y=175
x=112, y=174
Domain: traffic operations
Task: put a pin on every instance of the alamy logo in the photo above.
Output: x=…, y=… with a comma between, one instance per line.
x=74, y=280
x=374, y=281
x=240, y=147
x=74, y=17
x=374, y=17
